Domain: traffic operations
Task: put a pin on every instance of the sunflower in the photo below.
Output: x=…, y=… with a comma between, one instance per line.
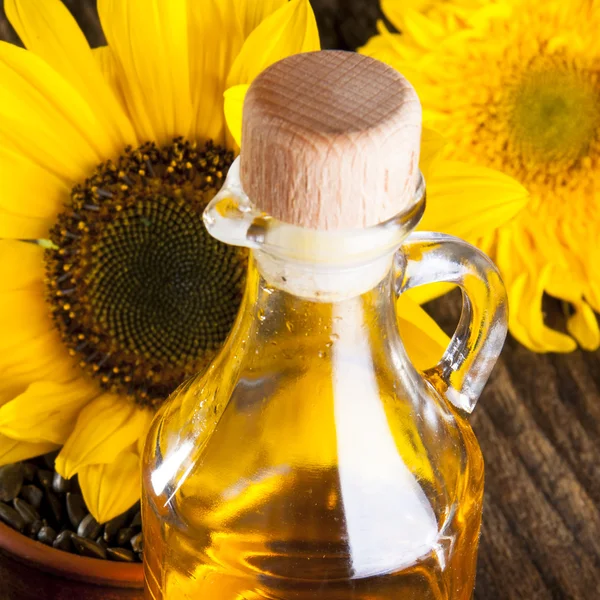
x=111, y=293
x=515, y=85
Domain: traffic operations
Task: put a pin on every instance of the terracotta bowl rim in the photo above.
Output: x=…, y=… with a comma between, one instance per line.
x=70, y=566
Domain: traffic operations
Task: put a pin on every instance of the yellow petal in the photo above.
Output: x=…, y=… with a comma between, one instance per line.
x=104, y=428
x=21, y=264
x=583, y=326
x=149, y=416
x=217, y=31
x=8, y=395
x=149, y=39
x=29, y=190
x=383, y=47
x=526, y=319
x=234, y=109
x=110, y=489
x=212, y=53
x=51, y=32
x=30, y=346
x=395, y=10
x=470, y=201
x=252, y=13
x=289, y=30
x=23, y=315
x=12, y=451
x=46, y=412
x=109, y=67
x=13, y=226
x=392, y=49
x=45, y=118
x=432, y=143
x=423, y=339
x=426, y=293
x=564, y=284
x=43, y=357
x=423, y=31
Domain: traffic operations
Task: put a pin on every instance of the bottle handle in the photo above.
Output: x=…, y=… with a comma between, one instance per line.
x=468, y=361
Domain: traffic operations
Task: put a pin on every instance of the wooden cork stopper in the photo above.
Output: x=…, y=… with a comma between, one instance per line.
x=331, y=141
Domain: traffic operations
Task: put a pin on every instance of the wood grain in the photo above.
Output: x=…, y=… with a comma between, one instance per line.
x=538, y=424
x=331, y=140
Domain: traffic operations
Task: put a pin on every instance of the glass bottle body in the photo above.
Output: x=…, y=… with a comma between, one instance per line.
x=312, y=461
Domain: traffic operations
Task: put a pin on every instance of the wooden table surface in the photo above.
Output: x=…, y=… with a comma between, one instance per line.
x=538, y=423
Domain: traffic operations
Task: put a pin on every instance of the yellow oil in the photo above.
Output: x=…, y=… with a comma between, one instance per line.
x=284, y=495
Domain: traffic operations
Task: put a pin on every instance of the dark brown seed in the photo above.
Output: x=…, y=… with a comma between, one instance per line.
x=136, y=522
x=60, y=485
x=45, y=478
x=112, y=527
x=50, y=458
x=76, y=509
x=27, y=511
x=133, y=509
x=33, y=495
x=120, y=554
x=63, y=541
x=100, y=541
x=11, y=481
x=124, y=536
x=86, y=547
x=55, y=505
x=75, y=485
x=11, y=517
x=29, y=471
x=46, y=535
x=34, y=528
x=89, y=528
x=137, y=542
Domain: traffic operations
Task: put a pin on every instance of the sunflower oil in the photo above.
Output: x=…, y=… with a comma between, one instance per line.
x=321, y=477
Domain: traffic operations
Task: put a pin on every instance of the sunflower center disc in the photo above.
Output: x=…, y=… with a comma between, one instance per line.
x=556, y=114
x=139, y=290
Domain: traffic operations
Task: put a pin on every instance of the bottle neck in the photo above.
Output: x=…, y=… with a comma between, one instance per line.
x=323, y=282
x=296, y=306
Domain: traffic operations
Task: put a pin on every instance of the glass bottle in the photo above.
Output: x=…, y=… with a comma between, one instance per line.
x=312, y=460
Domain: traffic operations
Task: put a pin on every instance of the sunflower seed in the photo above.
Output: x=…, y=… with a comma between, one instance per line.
x=125, y=535
x=87, y=547
x=60, y=485
x=136, y=522
x=46, y=535
x=89, y=527
x=34, y=528
x=29, y=471
x=55, y=505
x=137, y=542
x=112, y=527
x=45, y=478
x=120, y=554
x=39, y=512
x=26, y=511
x=133, y=509
x=75, y=509
x=11, y=517
x=63, y=541
x=33, y=495
x=11, y=481
x=50, y=458
x=100, y=541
